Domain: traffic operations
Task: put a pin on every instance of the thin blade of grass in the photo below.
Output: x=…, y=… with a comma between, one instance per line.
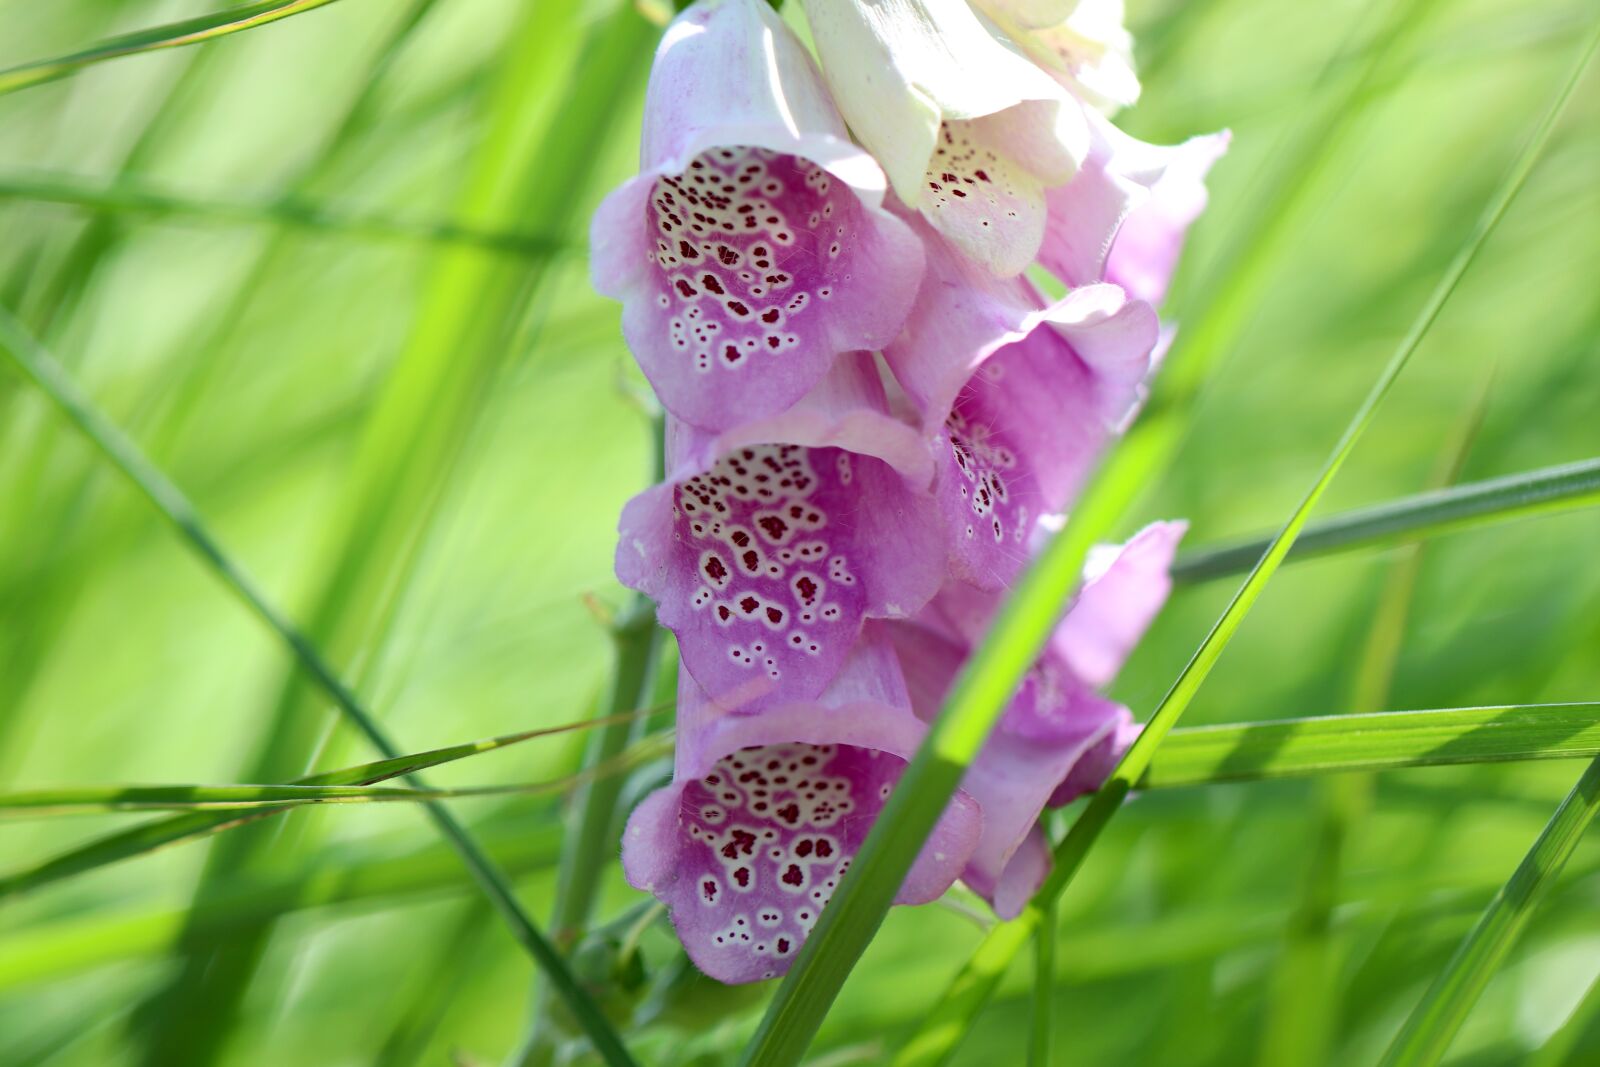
x=132, y=197
x=1433, y=1024
x=1044, y=987
x=144, y=839
x=42, y=371
x=173, y=35
x=275, y=798
x=947, y=1022
x=1548, y=490
x=1306, y=1002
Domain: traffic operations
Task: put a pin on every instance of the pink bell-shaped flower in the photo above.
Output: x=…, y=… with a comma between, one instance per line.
x=753, y=246
x=1018, y=397
x=766, y=811
x=769, y=545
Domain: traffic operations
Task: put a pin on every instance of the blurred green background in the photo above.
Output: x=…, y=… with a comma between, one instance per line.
x=329, y=273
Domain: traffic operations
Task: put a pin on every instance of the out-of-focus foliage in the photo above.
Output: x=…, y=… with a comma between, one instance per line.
x=247, y=350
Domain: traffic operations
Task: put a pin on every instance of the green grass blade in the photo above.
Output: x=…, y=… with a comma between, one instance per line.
x=237, y=798
x=1307, y=997
x=133, y=197
x=37, y=366
x=1385, y=740
x=1414, y=518
x=173, y=35
x=974, y=985
x=141, y=840
x=1427, y=1034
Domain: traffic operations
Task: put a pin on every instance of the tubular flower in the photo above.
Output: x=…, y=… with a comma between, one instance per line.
x=753, y=246
x=1124, y=218
x=1082, y=43
x=1018, y=398
x=1058, y=738
x=766, y=811
x=770, y=544
x=970, y=132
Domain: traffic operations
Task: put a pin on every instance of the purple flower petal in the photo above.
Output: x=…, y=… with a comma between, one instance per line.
x=1058, y=738
x=1019, y=398
x=753, y=247
x=766, y=812
x=769, y=545
x=1124, y=217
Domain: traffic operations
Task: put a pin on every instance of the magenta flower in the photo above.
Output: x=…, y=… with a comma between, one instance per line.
x=770, y=544
x=766, y=811
x=1124, y=218
x=1018, y=397
x=1058, y=738
x=753, y=246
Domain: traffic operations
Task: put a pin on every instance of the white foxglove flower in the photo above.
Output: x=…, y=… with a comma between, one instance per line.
x=970, y=132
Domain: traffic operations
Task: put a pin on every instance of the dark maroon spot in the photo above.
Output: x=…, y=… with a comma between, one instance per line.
x=824, y=850
x=775, y=617
x=738, y=308
x=773, y=341
x=770, y=315
x=742, y=876
x=709, y=888
x=750, y=560
x=739, y=538
x=727, y=255
x=731, y=353
x=803, y=847
x=774, y=527
x=792, y=876
x=789, y=813
x=749, y=604
x=685, y=288
x=808, y=592
x=715, y=570
x=687, y=250
x=711, y=284
x=980, y=175
x=723, y=613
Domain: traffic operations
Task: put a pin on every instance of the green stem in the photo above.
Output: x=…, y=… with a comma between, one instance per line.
x=1044, y=986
